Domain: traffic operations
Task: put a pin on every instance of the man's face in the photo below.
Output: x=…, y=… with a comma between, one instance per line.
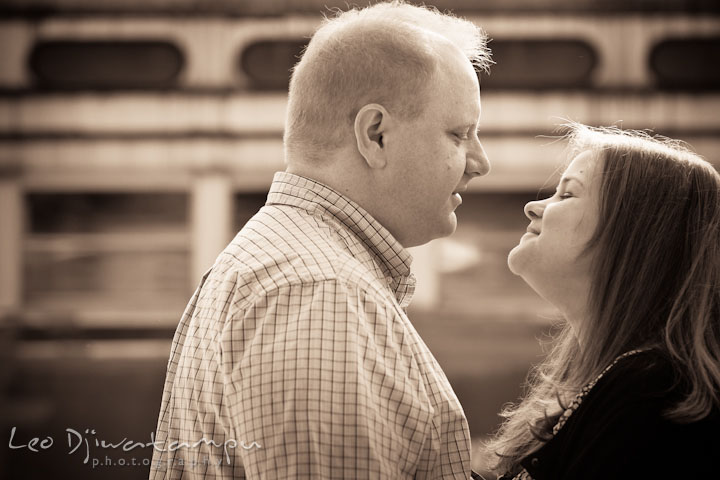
x=434, y=156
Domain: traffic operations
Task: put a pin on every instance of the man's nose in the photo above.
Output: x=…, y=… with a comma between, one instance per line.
x=477, y=161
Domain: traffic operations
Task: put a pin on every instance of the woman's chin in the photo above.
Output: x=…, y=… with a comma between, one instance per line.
x=514, y=261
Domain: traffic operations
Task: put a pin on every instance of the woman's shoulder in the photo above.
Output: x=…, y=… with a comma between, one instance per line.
x=649, y=382
x=621, y=426
x=645, y=374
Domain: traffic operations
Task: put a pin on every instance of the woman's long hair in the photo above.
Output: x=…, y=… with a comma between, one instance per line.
x=655, y=284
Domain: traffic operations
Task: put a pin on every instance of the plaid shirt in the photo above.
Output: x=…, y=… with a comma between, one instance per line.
x=295, y=357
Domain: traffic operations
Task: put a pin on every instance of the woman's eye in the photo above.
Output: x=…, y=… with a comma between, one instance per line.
x=566, y=195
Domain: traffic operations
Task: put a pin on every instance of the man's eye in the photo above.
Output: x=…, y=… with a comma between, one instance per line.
x=461, y=135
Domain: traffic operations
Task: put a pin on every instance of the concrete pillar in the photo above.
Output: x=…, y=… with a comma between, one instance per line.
x=11, y=235
x=211, y=219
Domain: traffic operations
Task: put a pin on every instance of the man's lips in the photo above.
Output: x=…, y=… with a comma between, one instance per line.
x=456, y=194
x=460, y=190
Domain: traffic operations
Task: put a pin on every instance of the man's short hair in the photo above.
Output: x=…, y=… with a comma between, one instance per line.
x=381, y=54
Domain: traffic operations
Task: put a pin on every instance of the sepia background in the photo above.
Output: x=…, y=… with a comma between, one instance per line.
x=137, y=136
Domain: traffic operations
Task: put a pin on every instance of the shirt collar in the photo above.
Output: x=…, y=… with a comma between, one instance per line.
x=310, y=195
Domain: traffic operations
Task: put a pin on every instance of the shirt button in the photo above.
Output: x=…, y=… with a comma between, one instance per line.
x=535, y=462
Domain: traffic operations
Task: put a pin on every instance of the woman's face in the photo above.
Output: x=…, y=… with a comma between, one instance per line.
x=551, y=256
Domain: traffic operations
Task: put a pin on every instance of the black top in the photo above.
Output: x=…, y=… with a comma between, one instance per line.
x=618, y=432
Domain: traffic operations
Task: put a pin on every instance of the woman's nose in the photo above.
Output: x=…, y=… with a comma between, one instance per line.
x=534, y=210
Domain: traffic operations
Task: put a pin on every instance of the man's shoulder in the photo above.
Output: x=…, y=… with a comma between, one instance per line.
x=283, y=245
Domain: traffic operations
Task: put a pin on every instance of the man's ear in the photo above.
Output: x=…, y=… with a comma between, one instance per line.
x=370, y=126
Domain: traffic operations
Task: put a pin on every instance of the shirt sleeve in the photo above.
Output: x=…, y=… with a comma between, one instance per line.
x=322, y=377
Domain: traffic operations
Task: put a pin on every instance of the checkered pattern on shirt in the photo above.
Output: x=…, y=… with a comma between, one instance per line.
x=296, y=346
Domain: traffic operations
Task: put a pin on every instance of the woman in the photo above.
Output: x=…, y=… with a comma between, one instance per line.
x=628, y=250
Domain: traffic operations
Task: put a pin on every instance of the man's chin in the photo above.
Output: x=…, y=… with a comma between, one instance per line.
x=441, y=231
x=449, y=226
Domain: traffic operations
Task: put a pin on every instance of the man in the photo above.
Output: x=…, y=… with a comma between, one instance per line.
x=295, y=357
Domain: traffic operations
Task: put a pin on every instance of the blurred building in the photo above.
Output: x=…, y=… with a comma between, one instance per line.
x=136, y=137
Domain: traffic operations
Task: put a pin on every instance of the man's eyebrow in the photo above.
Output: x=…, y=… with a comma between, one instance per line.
x=464, y=126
